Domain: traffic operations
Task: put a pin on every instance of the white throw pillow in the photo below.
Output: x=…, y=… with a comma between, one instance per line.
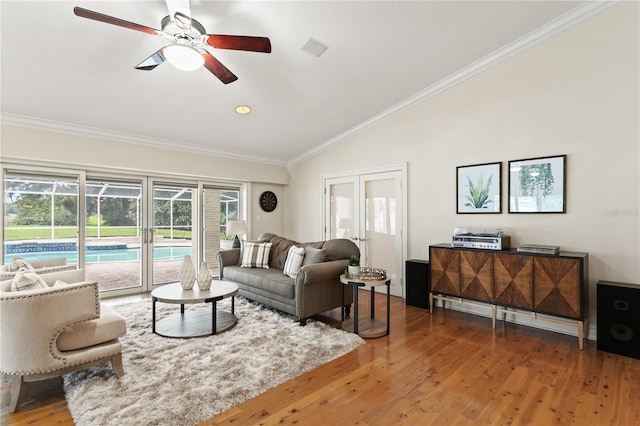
x=27, y=280
x=294, y=261
x=255, y=255
x=60, y=283
x=19, y=263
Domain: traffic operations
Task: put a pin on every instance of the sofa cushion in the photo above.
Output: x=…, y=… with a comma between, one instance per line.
x=26, y=279
x=109, y=326
x=255, y=255
x=294, y=261
x=314, y=255
x=269, y=280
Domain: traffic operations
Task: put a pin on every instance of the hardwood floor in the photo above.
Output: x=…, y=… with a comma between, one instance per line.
x=448, y=368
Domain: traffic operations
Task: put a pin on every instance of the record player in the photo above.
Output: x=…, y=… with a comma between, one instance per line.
x=481, y=238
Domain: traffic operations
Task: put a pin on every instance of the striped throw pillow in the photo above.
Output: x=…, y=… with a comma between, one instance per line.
x=255, y=255
x=27, y=280
x=294, y=261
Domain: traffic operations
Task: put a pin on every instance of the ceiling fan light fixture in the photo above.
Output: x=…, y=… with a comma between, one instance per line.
x=183, y=57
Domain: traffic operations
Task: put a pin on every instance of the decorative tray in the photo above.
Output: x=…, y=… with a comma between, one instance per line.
x=368, y=274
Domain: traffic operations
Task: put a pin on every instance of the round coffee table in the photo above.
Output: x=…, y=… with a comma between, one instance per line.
x=194, y=323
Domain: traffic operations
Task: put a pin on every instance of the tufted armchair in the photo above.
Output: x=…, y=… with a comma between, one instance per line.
x=52, y=331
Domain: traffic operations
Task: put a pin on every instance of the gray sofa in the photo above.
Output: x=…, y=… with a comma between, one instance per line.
x=315, y=289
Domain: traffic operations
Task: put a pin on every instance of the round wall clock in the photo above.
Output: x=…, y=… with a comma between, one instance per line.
x=268, y=201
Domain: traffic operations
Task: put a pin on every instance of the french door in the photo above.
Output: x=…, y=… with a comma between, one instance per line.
x=368, y=209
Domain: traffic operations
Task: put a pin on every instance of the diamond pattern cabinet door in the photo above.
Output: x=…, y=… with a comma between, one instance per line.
x=513, y=280
x=476, y=275
x=445, y=271
x=557, y=286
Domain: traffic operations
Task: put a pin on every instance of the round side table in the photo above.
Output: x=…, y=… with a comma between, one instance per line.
x=367, y=328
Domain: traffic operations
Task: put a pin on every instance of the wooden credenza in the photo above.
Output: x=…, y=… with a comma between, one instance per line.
x=508, y=281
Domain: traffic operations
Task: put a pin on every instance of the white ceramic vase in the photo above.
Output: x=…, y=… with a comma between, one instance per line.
x=353, y=270
x=204, y=277
x=187, y=273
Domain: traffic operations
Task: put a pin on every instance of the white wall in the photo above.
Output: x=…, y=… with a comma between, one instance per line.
x=575, y=94
x=262, y=221
x=18, y=144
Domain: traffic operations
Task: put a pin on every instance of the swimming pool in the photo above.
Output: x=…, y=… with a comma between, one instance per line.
x=119, y=255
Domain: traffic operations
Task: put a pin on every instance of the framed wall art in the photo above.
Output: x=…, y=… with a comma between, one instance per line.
x=538, y=185
x=479, y=188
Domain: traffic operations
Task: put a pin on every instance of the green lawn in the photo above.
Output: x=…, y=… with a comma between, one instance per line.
x=16, y=233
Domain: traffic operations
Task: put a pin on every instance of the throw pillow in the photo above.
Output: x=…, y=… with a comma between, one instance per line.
x=27, y=280
x=314, y=255
x=60, y=283
x=242, y=243
x=294, y=261
x=256, y=255
x=19, y=263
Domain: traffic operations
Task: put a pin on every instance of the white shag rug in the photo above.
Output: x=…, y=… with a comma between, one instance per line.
x=186, y=381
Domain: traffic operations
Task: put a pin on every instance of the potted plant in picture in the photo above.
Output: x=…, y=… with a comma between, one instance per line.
x=354, y=265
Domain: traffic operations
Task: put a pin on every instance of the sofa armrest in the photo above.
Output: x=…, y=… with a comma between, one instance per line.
x=318, y=288
x=32, y=320
x=318, y=272
x=227, y=258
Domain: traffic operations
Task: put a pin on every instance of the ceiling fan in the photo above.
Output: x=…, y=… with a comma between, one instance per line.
x=189, y=40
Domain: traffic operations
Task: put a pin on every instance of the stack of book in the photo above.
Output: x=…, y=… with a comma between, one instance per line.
x=537, y=248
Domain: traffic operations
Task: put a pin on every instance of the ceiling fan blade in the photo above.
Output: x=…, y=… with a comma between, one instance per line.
x=180, y=13
x=96, y=16
x=234, y=42
x=152, y=61
x=217, y=69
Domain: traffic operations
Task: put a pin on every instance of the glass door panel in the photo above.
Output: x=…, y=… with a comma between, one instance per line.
x=382, y=224
x=113, y=233
x=342, y=209
x=40, y=217
x=174, y=207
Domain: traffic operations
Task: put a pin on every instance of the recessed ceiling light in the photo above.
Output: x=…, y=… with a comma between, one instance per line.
x=243, y=109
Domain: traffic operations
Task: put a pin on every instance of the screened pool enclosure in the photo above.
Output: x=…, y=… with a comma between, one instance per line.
x=117, y=229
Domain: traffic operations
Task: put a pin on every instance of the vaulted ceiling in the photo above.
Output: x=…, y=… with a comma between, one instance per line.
x=67, y=73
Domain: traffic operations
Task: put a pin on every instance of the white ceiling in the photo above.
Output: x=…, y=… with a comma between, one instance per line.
x=59, y=71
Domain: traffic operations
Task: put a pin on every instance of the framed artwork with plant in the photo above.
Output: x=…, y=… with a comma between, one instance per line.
x=538, y=185
x=479, y=188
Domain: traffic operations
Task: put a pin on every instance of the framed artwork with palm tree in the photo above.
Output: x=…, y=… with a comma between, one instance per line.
x=479, y=188
x=538, y=185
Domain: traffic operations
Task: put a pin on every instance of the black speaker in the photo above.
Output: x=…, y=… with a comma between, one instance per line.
x=418, y=285
x=619, y=318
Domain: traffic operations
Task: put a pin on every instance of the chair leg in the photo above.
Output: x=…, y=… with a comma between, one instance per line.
x=18, y=387
x=116, y=363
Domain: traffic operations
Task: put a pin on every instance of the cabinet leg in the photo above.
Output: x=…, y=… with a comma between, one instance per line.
x=581, y=334
x=430, y=302
x=493, y=316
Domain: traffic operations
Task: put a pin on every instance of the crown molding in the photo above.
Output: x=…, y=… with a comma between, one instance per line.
x=569, y=19
x=77, y=130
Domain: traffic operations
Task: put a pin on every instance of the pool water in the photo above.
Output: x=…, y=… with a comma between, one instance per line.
x=120, y=255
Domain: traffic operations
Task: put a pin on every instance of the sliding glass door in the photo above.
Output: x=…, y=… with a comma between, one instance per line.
x=41, y=217
x=129, y=232
x=173, y=235
x=114, y=233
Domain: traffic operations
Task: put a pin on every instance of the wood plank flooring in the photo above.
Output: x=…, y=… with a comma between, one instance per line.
x=448, y=368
